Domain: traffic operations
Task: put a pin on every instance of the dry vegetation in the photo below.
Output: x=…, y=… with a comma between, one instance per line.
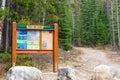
x=43, y=62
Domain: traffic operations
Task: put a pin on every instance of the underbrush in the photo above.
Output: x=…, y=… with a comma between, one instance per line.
x=42, y=61
x=69, y=58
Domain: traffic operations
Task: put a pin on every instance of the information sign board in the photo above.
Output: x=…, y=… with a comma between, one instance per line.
x=35, y=39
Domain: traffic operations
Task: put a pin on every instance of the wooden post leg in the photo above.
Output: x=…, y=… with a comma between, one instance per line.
x=14, y=44
x=55, y=52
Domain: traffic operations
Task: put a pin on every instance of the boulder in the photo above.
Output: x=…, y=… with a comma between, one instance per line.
x=66, y=73
x=24, y=73
x=105, y=72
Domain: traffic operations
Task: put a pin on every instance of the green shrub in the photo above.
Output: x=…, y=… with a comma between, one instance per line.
x=43, y=62
x=5, y=59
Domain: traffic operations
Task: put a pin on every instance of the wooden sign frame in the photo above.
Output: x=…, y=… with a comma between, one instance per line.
x=54, y=51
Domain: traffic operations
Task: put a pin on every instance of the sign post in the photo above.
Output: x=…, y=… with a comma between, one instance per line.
x=35, y=39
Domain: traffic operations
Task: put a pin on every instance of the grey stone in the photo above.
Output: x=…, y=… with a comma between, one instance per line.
x=105, y=72
x=24, y=73
x=66, y=73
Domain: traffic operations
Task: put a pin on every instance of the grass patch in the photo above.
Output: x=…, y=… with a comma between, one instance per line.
x=25, y=60
x=5, y=60
x=43, y=62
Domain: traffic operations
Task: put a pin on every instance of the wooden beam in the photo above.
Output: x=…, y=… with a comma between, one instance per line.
x=14, y=44
x=55, y=46
x=34, y=51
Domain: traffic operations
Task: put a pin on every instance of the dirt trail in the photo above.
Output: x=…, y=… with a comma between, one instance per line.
x=90, y=59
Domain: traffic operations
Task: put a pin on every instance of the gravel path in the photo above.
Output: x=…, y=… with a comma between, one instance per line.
x=90, y=59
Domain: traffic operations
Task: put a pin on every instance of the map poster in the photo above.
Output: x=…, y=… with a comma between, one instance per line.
x=47, y=40
x=28, y=39
x=22, y=39
x=33, y=40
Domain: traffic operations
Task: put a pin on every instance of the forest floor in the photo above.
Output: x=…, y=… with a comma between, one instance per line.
x=83, y=60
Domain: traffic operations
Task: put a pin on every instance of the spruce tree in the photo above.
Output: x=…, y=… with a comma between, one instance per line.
x=77, y=28
x=92, y=25
x=101, y=24
x=65, y=26
x=87, y=10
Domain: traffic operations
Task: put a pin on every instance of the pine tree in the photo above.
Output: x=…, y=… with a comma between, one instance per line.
x=20, y=10
x=92, y=25
x=36, y=11
x=51, y=11
x=65, y=26
x=76, y=33
x=101, y=24
x=87, y=10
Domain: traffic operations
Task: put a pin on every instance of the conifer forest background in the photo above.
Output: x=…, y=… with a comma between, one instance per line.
x=81, y=22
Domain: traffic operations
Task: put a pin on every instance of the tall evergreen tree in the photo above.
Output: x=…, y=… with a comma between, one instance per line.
x=101, y=24
x=92, y=25
x=20, y=10
x=87, y=10
x=35, y=11
x=76, y=36
x=51, y=11
x=65, y=26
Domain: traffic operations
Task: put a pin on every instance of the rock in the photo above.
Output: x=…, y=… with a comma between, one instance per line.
x=66, y=73
x=104, y=72
x=24, y=73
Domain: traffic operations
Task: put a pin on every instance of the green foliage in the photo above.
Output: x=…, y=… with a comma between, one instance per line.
x=101, y=24
x=24, y=22
x=3, y=13
x=20, y=9
x=35, y=11
x=77, y=28
x=25, y=60
x=87, y=13
x=65, y=26
x=51, y=18
x=5, y=59
x=45, y=12
x=91, y=22
x=43, y=62
x=92, y=25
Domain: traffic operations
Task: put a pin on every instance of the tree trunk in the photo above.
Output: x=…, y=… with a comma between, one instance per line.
x=117, y=17
x=3, y=4
x=112, y=23
x=6, y=30
x=5, y=35
x=44, y=18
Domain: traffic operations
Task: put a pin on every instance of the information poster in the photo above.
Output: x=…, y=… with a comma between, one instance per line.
x=33, y=39
x=28, y=39
x=47, y=40
x=22, y=39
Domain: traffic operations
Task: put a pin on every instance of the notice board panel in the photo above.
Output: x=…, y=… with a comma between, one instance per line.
x=47, y=40
x=35, y=39
x=28, y=39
